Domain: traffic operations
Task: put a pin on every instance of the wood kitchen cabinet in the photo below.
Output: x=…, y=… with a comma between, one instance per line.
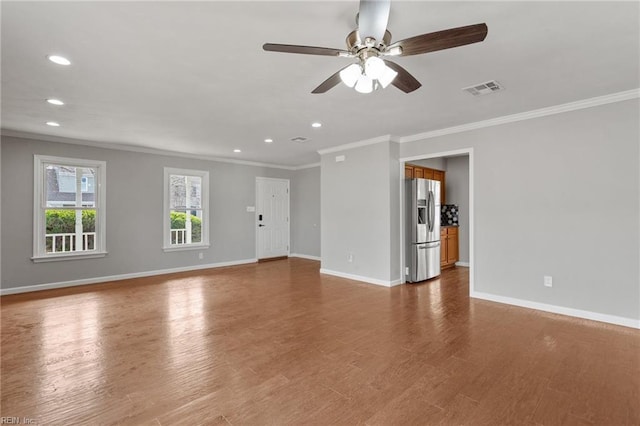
x=414, y=171
x=449, y=247
x=408, y=171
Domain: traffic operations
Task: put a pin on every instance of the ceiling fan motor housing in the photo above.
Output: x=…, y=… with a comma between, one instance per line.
x=355, y=44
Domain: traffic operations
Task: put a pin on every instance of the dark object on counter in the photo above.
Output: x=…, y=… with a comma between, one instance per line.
x=449, y=215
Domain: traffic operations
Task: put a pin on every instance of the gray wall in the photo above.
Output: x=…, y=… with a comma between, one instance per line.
x=356, y=211
x=305, y=202
x=559, y=196
x=134, y=213
x=457, y=183
x=396, y=176
x=439, y=163
x=1, y=211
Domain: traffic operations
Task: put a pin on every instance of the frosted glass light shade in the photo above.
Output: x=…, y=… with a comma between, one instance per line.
x=364, y=84
x=387, y=77
x=350, y=74
x=374, y=67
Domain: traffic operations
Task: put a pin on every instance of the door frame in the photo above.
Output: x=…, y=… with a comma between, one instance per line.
x=403, y=161
x=255, y=215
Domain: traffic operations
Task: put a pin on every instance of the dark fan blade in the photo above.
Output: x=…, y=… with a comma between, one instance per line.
x=441, y=40
x=403, y=81
x=329, y=83
x=373, y=18
x=307, y=50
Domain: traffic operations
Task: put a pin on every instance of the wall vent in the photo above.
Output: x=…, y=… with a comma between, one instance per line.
x=484, y=88
x=299, y=139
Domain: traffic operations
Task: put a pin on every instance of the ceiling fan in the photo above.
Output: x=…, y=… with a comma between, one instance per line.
x=371, y=43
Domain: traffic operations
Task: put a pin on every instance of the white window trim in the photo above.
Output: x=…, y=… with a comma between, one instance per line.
x=166, y=220
x=39, y=200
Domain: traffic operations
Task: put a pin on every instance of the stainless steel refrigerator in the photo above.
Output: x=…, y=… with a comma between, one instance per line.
x=422, y=229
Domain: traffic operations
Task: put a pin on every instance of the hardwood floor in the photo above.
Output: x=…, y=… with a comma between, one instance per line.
x=278, y=343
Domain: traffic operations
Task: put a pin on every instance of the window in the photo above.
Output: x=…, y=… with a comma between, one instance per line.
x=69, y=205
x=186, y=209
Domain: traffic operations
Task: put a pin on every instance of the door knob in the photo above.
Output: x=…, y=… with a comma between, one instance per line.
x=261, y=225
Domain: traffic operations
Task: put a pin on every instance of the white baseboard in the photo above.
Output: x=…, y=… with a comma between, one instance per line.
x=578, y=313
x=304, y=256
x=360, y=278
x=465, y=264
x=394, y=283
x=96, y=280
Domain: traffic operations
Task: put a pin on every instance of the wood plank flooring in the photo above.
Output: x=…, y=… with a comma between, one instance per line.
x=278, y=343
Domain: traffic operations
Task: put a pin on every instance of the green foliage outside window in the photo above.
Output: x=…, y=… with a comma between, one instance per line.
x=64, y=221
x=178, y=220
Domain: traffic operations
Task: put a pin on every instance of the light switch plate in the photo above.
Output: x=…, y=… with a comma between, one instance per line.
x=251, y=209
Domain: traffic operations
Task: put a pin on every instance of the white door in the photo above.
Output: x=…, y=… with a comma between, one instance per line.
x=272, y=217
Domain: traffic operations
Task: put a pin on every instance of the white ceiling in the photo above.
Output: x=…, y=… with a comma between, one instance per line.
x=193, y=78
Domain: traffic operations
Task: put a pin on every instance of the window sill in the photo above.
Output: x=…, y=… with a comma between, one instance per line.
x=185, y=248
x=61, y=257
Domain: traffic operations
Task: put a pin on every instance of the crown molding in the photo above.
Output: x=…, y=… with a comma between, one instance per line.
x=133, y=148
x=358, y=144
x=528, y=115
x=307, y=166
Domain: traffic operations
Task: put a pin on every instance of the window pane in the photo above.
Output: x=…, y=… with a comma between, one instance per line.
x=61, y=186
x=195, y=192
x=196, y=226
x=70, y=230
x=186, y=227
x=185, y=191
x=88, y=187
x=177, y=191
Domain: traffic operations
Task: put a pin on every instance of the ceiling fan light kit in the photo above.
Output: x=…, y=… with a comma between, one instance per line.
x=351, y=74
x=365, y=79
x=387, y=77
x=374, y=67
x=364, y=84
x=372, y=41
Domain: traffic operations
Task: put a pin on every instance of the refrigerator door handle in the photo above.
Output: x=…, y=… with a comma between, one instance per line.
x=431, y=213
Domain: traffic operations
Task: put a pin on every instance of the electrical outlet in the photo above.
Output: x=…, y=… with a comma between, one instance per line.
x=200, y=255
x=548, y=281
x=350, y=257
x=406, y=270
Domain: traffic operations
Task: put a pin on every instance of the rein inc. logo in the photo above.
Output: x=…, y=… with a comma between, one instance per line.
x=17, y=421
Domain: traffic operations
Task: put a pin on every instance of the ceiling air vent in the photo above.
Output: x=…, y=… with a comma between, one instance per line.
x=484, y=88
x=299, y=139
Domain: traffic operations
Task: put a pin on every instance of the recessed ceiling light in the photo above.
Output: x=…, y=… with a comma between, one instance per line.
x=316, y=124
x=55, y=101
x=60, y=60
x=53, y=124
x=268, y=140
x=237, y=150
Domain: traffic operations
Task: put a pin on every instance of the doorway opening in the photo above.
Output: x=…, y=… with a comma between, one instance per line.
x=457, y=182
